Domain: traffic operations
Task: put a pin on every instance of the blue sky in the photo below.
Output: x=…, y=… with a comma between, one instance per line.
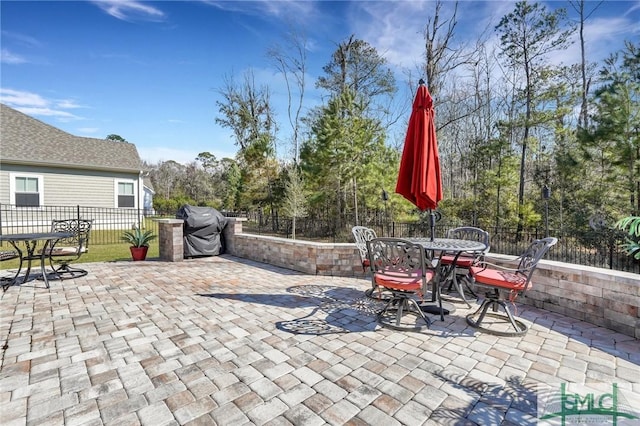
x=150, y=71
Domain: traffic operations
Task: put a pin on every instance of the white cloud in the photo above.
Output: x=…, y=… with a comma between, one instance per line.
x=634, y=6
x=603, y=36
x=48, y=112
x=294, y=10
x=68, y=104
x=395, y=29
x=36, y=105
x=602, y=33
x=289, y=9
x=130, y=10
x=22, y=39
x=16, y=98
x=7, y=57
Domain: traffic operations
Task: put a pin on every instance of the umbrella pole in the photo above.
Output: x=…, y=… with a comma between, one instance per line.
x=432, y=223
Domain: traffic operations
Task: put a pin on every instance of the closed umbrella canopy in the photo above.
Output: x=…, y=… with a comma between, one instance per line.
x=419, y=178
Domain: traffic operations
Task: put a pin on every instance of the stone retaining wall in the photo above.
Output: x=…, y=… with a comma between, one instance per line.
x=598, y=296
x=602, y=297
x=304, y=256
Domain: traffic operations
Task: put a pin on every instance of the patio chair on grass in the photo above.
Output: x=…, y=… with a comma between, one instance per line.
x=400, y=267
x=464, y=261
x=68, y=250
x=499, y=281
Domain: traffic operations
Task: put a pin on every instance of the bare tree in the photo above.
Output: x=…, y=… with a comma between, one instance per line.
x=247, y=111
x=166, y=178
x=578, y=6
x=440, y=57
x=291, y=61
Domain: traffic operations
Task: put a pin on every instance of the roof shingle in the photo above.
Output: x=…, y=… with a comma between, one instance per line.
x=24, y=139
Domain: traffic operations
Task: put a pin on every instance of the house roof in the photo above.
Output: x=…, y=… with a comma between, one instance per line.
x=146, y=181
x=26, y=140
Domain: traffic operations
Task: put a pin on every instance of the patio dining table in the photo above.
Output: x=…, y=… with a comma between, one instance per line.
x=436, y=248
x=31, y=241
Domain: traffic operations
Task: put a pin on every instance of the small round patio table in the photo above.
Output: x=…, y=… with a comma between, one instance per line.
x=450, y=246
x=30, y=241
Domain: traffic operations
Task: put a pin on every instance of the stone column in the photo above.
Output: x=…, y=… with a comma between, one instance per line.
x=171, y=239
x=234, y=226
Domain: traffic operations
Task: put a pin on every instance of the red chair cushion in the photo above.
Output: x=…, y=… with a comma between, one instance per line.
x=502, y=279
x=401, y=282
x=366, y=263
x=462, y=262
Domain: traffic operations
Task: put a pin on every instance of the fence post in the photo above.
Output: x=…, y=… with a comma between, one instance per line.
x=611, y=244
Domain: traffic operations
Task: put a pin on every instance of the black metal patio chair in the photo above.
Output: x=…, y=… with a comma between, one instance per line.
x=464, y=261
x=400, y=267
x=361, y=235
x=502, y=286
x=66, y=251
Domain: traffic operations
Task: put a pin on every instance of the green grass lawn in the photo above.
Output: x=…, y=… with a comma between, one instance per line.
x=101, y=253
x=111, y=252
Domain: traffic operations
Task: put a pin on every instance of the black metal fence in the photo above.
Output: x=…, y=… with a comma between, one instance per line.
x=108, y=224
x=599, y=248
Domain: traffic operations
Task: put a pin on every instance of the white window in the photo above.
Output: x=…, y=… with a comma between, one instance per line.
x=26, y=190
x=126, y=194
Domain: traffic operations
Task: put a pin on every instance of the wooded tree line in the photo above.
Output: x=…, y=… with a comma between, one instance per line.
x=509, y=123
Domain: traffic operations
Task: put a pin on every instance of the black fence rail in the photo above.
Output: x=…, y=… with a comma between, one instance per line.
x=599, y=248
x=108, y=224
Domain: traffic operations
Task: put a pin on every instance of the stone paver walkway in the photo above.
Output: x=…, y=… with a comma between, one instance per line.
x=226, y=341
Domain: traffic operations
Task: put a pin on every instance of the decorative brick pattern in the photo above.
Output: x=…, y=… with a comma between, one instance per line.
x=231, y=341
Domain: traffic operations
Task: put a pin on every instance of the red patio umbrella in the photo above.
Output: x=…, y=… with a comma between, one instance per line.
x=419, y=178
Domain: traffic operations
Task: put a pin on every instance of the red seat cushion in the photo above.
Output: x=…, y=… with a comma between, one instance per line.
x=401, y=282
x=497, y=278
x=366, y=263
x=463, y=261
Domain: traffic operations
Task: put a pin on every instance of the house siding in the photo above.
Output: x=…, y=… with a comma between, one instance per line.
x=70, y=189
x=67, y=187
x=4, y=184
